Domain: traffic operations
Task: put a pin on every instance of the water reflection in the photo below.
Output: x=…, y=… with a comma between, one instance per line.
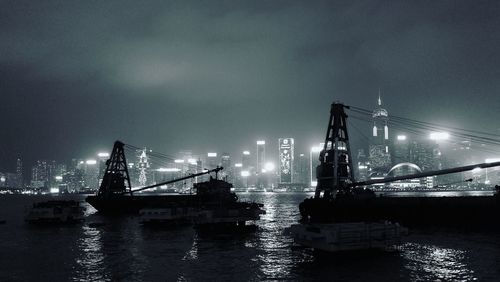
x=90, y=261
x=430, y=262
x=192, y=253
x=275, y=258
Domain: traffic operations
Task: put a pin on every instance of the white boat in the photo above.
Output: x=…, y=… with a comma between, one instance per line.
x=55, y=212
x=334, y=237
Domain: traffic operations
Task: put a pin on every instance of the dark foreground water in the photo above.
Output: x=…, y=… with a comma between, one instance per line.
x=123, y=250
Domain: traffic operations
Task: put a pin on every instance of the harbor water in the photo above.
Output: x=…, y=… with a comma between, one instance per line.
x=120, y=249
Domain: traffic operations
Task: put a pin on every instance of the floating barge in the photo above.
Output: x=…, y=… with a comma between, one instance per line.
x=340, y=201
x=340, y=198
x=212, y=203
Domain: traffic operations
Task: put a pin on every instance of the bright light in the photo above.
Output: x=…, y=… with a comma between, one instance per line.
x=103, y=155
x=476, y=170
x=401, y=137
x=131, y=164
x=314, y=183
x=212, y=155
x=492, y=160
x=178, y=161
x=2, y=179
x=168, y=169
x=316, y=149
x=263, y=170
x=54, y=190
x=58, y=177
x=269, y=166
x=192, y=161
x=91, y=162
x=362, y=167
x=238, y=165
x=246, y=153
x=301, y=155
x=261, y=142
x=439, y=136
x=245, y=173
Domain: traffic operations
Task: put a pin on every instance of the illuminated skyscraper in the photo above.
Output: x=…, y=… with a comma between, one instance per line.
x=212, y=160
x=91, y=174
x=363, y=165
x=379, y=155
x=401, y=149
x=143, y=167
x=302, y=171
x=286, y=160
x=313, y=163
x=19, y=173
x=39, y=174
x=261, y=155
x=225, y=162
x=245, y=160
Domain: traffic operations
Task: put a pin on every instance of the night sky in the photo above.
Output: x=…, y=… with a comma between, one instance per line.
x=218, y=75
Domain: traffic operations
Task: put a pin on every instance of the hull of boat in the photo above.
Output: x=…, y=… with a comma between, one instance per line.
x=132, y=204
x=408, y=211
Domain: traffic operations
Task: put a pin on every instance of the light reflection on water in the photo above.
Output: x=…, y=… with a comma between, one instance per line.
x=91, y=259
x=430, y=262
x=122, y=249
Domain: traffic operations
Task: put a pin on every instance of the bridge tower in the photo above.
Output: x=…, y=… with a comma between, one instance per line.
x=116, y=179
x=335, y=171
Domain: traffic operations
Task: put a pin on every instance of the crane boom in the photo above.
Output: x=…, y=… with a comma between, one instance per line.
x=425, y=174
x=177, y=179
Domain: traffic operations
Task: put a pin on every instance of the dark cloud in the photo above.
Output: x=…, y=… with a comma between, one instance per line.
x=220, y=74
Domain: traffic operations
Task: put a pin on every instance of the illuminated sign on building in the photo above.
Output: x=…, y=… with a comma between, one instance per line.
x=286, y=160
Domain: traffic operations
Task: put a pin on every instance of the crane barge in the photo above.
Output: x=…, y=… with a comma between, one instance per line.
x=339, y=198
x=345, y=215
x=214, y=197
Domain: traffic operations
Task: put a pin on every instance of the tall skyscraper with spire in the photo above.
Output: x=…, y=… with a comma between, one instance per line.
x=379, y=155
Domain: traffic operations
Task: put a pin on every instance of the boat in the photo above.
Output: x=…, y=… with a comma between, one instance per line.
x=55, y=212
x=211, y=201
x=214, y=203
x=337, y=237
x=339, y=198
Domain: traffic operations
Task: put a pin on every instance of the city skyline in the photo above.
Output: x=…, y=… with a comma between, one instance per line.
x=186, y=75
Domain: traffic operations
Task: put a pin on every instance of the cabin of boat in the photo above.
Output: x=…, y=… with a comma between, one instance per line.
x=58, y=212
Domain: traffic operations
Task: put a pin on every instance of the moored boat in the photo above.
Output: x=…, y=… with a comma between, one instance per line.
x=352, y=236
x=55, y=212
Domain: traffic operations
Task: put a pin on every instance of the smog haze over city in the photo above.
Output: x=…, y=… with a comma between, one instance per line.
x=219, y=75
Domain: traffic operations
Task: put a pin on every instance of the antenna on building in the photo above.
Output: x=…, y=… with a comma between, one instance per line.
x=379, y=99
